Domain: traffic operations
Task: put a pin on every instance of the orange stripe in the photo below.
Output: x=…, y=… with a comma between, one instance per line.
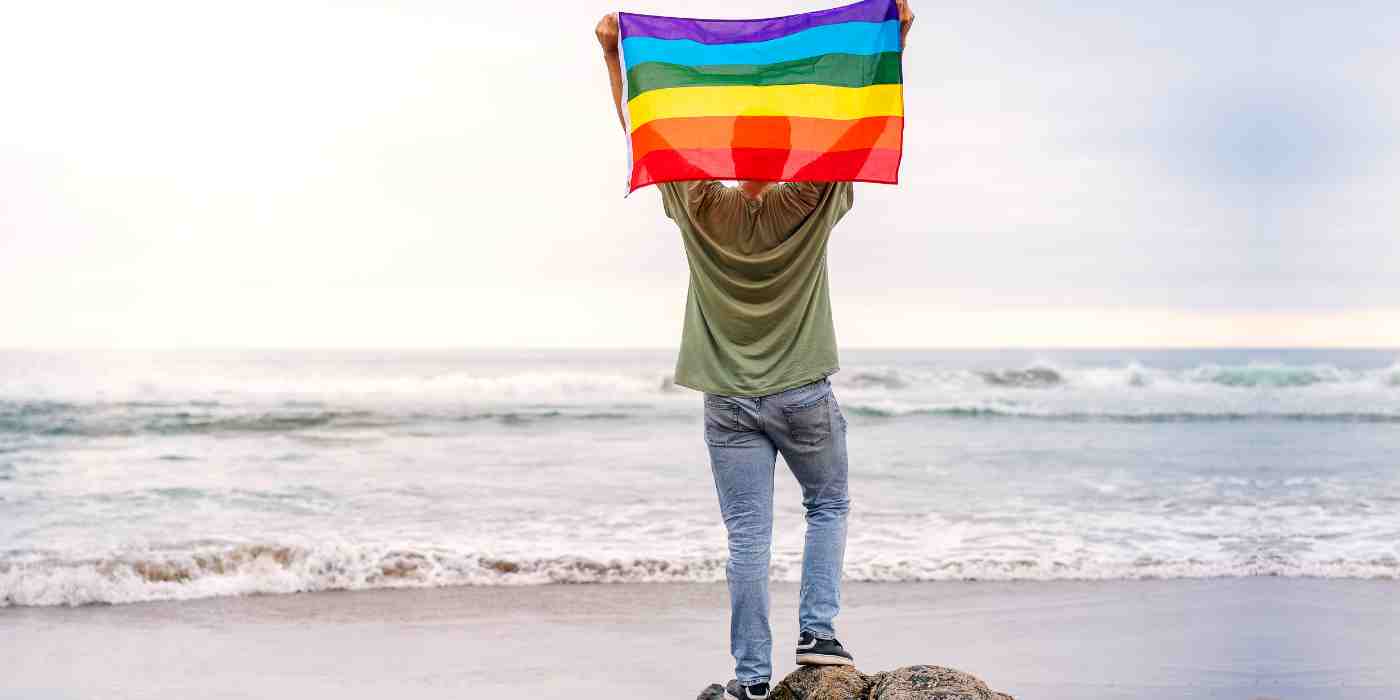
x=793, y=133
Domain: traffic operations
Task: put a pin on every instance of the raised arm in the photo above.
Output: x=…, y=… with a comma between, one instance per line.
x=607, y=37
x=906, y=20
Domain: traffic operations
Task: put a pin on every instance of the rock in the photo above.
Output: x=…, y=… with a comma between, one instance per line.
x=714, y=692
x=847, y=683
x=930, y=683
x=822, y=683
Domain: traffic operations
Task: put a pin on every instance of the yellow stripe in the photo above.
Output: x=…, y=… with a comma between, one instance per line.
x=815, y=101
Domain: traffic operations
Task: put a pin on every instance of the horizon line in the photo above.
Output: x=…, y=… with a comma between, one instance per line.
x=660, y=348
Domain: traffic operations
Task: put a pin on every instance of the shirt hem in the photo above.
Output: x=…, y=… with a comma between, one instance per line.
x=727, y=391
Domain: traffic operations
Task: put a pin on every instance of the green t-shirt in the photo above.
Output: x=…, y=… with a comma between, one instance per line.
x=757, y=313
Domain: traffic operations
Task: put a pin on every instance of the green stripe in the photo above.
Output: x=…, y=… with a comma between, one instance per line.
x=838, y=69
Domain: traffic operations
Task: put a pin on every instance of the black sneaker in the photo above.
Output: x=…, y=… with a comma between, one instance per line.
x=813, y=651
x=757, y=691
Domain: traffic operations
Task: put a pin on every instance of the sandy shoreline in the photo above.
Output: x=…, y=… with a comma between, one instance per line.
x=1210, y=638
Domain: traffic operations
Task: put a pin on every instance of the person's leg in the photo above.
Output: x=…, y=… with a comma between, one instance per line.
x=810, y=431
x=742, y=459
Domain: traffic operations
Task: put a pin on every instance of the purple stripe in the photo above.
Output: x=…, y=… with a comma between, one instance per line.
x=738, y=31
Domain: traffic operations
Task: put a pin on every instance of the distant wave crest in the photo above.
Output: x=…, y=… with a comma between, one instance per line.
x=1198, y=416
x=1131, y=392
x=55, y=419
x=1043, y=376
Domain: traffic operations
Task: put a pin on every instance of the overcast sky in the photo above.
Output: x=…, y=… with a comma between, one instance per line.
x=290, y=173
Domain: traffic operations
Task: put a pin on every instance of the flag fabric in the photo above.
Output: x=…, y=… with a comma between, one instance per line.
x=816, y=96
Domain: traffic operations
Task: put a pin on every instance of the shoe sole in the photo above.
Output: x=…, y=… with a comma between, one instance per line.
x=728, y=695
x=823, y=660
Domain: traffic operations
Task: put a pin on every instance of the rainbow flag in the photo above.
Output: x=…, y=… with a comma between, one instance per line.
x=815, y=96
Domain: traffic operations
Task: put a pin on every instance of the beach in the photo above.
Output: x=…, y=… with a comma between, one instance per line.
x=312, y=389
x=1239, y=638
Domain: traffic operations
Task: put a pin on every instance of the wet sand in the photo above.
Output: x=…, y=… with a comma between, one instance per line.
x=1303, y=639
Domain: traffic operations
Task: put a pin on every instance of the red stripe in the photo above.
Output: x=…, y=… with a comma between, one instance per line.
x=864, y=165
x=797, y=133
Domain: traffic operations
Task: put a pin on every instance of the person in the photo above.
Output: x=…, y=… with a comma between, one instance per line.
x=758, y=341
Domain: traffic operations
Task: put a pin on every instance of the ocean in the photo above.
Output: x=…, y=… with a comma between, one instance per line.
x=131, y=476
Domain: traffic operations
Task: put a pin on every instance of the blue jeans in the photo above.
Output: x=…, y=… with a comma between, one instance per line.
x=745, y=435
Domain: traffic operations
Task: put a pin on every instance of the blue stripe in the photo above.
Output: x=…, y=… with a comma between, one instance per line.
x=857, y=38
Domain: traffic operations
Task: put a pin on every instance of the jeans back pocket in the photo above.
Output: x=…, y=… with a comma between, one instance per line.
x=722, y=425
x=809, y=423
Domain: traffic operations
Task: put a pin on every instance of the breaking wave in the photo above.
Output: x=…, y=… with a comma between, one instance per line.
x=274, y=569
